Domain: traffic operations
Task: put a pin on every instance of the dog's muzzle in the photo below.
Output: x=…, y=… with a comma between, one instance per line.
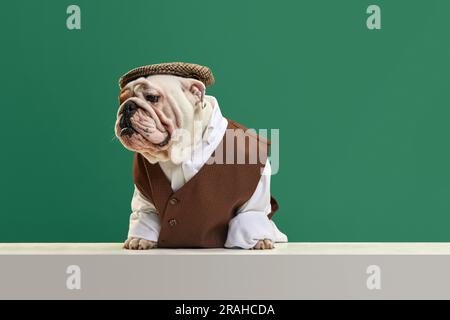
x=126, y=129
x=147, y=127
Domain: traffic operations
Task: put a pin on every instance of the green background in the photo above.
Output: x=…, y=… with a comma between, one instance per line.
x=363, y=115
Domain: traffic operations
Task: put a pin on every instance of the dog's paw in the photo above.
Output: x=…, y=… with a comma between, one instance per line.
x=264, y=244
x=139, y=244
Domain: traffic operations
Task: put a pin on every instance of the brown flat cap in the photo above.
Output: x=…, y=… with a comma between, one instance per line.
x=181, y=69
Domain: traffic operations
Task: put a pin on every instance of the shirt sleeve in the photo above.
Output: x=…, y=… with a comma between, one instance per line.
x=252, y=223
x=144, y=219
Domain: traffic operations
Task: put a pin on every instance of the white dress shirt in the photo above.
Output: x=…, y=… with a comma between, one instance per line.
x=251, y=222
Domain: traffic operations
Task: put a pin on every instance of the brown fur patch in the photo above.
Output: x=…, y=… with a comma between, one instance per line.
x=124, y=95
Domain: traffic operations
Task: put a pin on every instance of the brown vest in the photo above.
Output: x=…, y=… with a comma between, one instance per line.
x=197, y=215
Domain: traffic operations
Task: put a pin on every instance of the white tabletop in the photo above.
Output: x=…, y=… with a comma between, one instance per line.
x=293, y=248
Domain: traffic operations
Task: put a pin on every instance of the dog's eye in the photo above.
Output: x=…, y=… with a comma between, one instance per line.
x=152, y=98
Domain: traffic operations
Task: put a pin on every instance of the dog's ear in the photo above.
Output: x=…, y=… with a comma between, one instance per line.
x=197, y=89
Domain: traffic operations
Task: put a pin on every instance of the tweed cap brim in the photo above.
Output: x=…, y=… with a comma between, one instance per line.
x=181, y=69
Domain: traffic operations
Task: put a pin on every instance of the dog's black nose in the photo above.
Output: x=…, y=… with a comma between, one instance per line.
x=129, y=108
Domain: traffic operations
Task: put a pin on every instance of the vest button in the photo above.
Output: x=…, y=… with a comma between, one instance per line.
x=172, y=222
x=173, y=201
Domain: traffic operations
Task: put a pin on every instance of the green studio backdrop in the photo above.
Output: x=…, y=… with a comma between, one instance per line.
x=363, y=114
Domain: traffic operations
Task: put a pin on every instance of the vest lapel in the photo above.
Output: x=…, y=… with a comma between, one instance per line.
x=160, y=186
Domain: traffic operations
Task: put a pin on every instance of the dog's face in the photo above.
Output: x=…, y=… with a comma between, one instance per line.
x=154, y=111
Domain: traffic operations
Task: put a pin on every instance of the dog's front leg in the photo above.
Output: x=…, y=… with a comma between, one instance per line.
x=144, y=224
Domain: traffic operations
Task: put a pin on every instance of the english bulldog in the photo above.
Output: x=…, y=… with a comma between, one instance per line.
x=153, y=110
